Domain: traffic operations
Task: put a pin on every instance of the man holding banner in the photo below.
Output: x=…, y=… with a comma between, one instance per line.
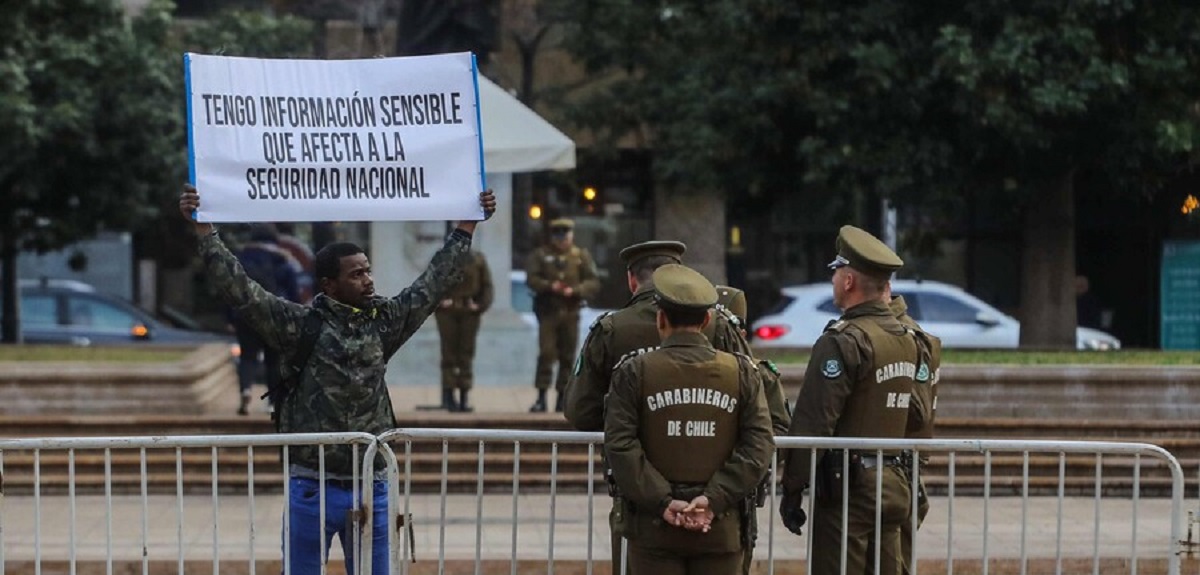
x=340, y=387
x=385, y=139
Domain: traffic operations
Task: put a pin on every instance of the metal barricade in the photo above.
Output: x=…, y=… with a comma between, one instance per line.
x=463, y=512
x=53, y=518
x=525, y=501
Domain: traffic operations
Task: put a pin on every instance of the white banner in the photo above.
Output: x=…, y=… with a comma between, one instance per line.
x=335, y=140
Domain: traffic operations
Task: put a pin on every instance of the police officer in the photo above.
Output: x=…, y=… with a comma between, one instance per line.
x=858, y=383
x=922, y=412
x=561, y=275
x=631, y=330
x=731, y=302
x=688, y=436
x=458, y=325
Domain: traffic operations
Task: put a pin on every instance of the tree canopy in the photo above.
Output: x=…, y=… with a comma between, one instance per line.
x=922, y=102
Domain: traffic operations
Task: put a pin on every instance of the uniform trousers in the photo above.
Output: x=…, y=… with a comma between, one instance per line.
x=650, y=561
x=458, y=331
x=558, y=336
x=860, y=527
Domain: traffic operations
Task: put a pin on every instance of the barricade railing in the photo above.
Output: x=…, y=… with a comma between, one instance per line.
x=22, y=525
x=1070, y=547
x=501, y=505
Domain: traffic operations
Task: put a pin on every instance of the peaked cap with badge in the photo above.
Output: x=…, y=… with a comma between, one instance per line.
x=865, y=253
x=682, y=287
x=638, y=252
x=562, y=224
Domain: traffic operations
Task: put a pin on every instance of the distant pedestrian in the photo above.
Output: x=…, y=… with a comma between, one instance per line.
x=273, y=269
x=458, y=317
x=562, y=276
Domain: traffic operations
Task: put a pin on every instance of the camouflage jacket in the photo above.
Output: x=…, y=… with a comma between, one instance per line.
x=342, y=388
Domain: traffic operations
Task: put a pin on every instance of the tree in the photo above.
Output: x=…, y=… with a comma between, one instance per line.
x=90, y=107
x=842, y=103
x=1043, y=91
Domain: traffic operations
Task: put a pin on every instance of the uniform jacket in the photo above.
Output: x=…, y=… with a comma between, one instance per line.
x=573, y=267
x=476, y=286
x=342, y=387
x=842, y=369
x=627, y=332
x=737, y=472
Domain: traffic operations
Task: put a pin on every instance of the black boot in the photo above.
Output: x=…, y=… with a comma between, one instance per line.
x=243, y=407
x=463, y=406
x=448, y=402
x=560, y=401
x=539, y=406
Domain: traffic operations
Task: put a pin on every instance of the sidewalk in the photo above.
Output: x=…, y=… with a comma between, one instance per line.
x=203, y=530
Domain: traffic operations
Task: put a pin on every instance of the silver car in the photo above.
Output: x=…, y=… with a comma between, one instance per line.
x=960, y=319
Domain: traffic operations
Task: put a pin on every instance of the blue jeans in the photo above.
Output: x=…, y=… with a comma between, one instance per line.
x=304, y=504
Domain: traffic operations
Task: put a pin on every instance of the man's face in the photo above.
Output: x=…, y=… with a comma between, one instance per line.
x=354, y=285
x=562, y=239
x=839, y=287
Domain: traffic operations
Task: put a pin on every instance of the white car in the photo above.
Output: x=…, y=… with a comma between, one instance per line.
x=960, y=319
x=522, y=303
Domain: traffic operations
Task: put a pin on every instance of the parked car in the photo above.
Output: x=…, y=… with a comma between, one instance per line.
x=960, y=319
x=522, y=303
x=75, y=313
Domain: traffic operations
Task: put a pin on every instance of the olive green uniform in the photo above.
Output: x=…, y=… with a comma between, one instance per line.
x=858, y=383
x=458, y=323
x=682, y=421
x=624, y=333
x=921, y=415
x=558, y=315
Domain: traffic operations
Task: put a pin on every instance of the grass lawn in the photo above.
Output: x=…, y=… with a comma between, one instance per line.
x=55, y=353
x=1016, y=357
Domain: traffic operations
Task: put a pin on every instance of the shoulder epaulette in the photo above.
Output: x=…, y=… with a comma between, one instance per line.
x=770, y=365
x=600, y=318
x=729, y=315
x=836, y=325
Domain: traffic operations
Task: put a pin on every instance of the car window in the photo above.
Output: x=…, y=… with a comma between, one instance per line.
x=828, y=306
x=38, y=311
x=780, y=305
x=936, y=307
x=86, y=312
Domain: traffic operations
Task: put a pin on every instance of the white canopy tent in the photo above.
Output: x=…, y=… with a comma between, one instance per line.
x=515, y=139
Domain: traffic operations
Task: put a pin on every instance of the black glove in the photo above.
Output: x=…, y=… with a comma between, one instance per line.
x=791, y=510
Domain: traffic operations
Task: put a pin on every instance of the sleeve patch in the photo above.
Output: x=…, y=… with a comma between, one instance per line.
x=831, y=369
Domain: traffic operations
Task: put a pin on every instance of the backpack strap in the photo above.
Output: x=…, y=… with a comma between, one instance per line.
x=294, y=368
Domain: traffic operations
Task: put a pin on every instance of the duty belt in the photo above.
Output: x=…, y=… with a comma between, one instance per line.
x=870, y=461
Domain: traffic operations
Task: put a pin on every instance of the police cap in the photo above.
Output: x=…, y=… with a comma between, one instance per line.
x=561, y=225
x=865, y=253
x=637, y=252
x=680, y=286
x=732, y=299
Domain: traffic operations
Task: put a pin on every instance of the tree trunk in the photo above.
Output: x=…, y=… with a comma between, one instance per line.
x=9, y=323
x=1048, y=267
x=696, y=218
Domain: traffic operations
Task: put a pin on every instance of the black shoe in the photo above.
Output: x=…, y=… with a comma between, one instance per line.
x=560, y=402
x=538, y=406
x=244, y=406
x=463, y=406
x=448, y=402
